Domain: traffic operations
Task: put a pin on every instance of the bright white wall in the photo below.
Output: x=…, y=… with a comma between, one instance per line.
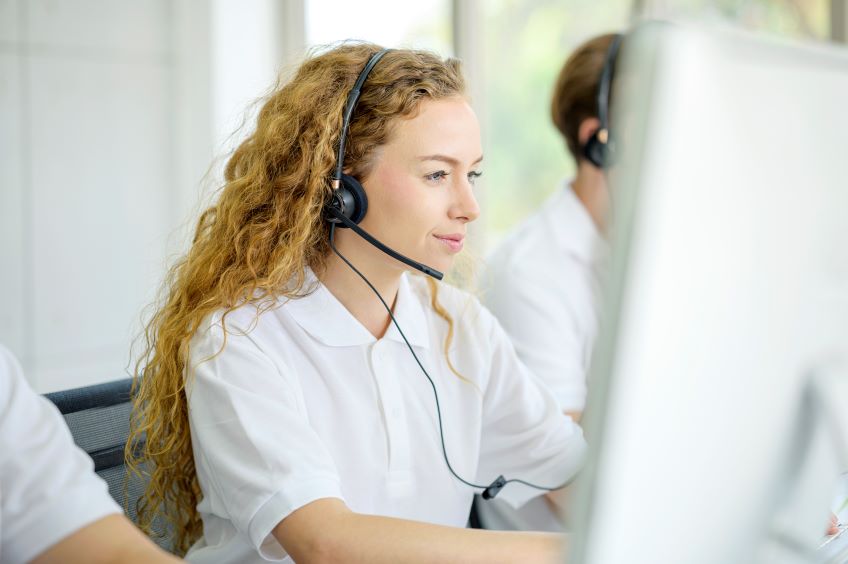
x=98, y=164
x=246, y=50
x=88, y=85
x=112, y=112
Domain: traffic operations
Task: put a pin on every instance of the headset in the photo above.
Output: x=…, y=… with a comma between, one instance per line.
x=349, y=203
x=346, y=208
x=600, y=148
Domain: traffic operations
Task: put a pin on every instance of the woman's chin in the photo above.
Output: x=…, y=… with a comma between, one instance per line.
x=442, y=264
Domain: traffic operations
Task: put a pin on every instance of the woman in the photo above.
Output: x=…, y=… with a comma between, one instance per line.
x=283, y=415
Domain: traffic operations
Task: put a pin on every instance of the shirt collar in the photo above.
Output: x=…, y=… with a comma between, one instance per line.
x=324, y=317
x=410, y=315
x=574, y=228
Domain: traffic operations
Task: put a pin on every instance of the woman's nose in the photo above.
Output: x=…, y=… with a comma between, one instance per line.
x=465, y=206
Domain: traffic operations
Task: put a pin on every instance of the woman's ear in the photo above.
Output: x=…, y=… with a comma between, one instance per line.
x=588, y=127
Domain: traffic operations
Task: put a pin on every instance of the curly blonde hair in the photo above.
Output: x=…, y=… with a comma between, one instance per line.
x=257, y=239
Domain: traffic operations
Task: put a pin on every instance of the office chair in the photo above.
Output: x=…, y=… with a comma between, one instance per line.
x=98, y=417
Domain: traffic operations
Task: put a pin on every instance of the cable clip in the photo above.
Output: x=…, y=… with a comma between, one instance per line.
x=494, y=488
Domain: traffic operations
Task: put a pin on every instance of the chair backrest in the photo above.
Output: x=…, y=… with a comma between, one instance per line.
x=98, y=417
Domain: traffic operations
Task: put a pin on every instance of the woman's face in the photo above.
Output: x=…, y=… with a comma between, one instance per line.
x=420, y=188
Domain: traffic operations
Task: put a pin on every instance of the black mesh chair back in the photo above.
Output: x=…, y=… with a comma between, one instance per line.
x=98, y=417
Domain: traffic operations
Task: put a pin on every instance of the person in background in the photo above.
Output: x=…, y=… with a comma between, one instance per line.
x=53, y=507
x=543, y=282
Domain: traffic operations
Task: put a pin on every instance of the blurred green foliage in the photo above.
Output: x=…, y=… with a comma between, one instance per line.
x=525, y=43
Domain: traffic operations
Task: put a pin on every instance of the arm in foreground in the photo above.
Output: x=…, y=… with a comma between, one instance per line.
x=327, y=531
x=112, y=539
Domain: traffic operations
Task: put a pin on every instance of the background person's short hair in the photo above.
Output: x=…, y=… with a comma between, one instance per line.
x=575, y=96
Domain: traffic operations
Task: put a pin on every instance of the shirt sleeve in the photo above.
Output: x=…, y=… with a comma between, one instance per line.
x=546, y=316
x=525, y=433
x=48, y=488
x=256, y=455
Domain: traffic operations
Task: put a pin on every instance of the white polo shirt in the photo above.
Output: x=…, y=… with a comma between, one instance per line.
x=543, y=284
x=304, y=403
x=48, y=488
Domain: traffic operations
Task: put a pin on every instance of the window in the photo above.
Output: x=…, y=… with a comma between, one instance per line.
x=794, y=18
x=424, y=24
x=525, y=43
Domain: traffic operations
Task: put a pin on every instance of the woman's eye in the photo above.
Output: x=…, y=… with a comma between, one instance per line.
x=473, y=176
x=438, y=175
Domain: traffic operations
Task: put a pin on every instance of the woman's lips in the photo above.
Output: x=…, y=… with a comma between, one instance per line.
x=452, y=242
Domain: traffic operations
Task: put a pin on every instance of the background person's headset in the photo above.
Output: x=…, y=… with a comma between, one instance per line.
x=346, y=208
x=600, y=148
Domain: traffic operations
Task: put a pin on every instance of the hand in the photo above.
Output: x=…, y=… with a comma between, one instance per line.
x=833, y=528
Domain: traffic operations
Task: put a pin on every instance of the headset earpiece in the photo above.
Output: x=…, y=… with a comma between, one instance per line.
x=349, y=199
x=596, y=151
x=599, y=148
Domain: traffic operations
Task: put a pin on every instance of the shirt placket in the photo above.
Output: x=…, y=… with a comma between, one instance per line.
x=399, y=474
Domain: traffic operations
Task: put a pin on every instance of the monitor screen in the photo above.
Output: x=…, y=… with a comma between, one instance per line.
x=713, y=412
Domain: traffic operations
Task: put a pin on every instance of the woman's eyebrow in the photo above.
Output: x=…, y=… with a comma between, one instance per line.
x=447, y=159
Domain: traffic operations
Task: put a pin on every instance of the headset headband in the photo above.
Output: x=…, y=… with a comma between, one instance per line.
x=604, y=87
x=350, y=105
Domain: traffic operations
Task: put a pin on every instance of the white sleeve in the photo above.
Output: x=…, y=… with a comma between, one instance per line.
x=257, y=457
x=48, y=488
x=525, y=433
x=544, y=315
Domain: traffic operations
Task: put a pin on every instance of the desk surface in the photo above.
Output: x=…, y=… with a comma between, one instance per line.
x=835, y=549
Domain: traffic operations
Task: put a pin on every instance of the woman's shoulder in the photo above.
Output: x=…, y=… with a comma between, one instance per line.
x=249, y=320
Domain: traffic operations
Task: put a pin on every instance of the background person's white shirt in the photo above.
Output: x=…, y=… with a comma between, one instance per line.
x=304, y=403
x=48, y=488
x=543, y=284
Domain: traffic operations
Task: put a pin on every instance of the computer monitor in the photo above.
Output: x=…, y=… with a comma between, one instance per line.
x=719, y=386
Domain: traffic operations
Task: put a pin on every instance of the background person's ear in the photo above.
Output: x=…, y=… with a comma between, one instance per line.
x=588, y=127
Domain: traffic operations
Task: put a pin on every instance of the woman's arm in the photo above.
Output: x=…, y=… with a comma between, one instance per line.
x=109, y=540
x=326, y=531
